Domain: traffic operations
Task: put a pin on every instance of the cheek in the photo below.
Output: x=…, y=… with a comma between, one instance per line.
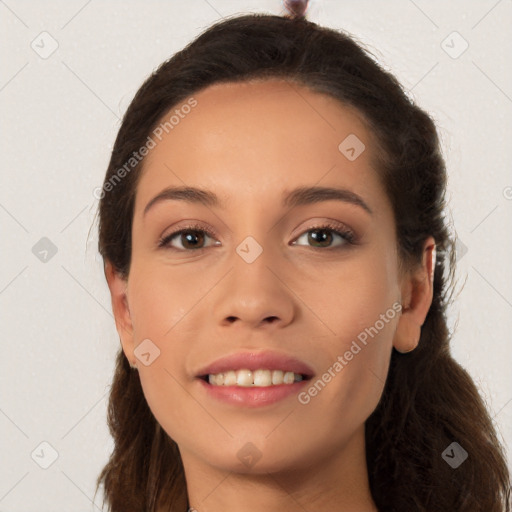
x=359, y=311
x=159, y=298
x=351, y=382
x=349, y=296
x=158, y=303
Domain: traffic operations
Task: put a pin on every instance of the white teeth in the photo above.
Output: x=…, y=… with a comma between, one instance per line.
x=262, y=378
x=277, y=377
x=248, y=378
x=243, y=378
x=230, y=378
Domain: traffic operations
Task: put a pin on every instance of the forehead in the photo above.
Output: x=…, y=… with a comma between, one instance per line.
x=259, y=138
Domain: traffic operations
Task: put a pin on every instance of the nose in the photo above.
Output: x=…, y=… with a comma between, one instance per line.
x=256, y=294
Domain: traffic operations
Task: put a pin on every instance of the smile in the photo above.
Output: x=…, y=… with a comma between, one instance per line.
x=248, y=378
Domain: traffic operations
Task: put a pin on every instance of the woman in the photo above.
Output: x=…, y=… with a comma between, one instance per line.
x=272, y=227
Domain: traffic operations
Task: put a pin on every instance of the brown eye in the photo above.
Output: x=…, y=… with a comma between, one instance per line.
x=323, y=236
x=320, y=236
x=190, y=238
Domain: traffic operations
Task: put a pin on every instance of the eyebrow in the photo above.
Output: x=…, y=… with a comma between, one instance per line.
x=297, y=197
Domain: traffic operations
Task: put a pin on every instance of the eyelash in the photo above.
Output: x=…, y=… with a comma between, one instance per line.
x=338, y=229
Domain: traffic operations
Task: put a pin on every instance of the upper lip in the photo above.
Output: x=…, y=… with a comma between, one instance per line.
x=267, y=360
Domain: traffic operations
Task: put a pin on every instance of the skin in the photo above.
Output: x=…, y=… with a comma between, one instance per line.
x=249, y=143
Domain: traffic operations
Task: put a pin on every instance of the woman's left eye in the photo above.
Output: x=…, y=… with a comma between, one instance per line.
x=192, y=237
x=324, y=235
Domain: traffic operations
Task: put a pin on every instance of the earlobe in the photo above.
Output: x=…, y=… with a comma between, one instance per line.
x=120, y=307
x=418, y=292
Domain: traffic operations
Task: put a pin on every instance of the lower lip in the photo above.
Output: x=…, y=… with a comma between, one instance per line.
x=252, y=396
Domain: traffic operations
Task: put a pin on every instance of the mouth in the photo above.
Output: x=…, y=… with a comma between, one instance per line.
x=256, y=369
x=252, y=388
x=254, y=378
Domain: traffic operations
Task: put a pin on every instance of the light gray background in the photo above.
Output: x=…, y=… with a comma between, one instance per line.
x=59, y=118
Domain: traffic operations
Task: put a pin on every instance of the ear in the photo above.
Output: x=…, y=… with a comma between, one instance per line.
x=417, y=293
x=120, y=307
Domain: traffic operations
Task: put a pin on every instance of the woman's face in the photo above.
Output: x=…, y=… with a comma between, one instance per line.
x=272, y=278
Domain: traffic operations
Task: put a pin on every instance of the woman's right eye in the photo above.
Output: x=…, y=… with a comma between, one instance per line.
x=190, y=238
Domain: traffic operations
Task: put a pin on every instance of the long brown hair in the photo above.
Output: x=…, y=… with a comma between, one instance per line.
x=429, y=400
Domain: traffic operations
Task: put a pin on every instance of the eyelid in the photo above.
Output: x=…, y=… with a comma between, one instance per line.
x=326, y=223
x=164, y=240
